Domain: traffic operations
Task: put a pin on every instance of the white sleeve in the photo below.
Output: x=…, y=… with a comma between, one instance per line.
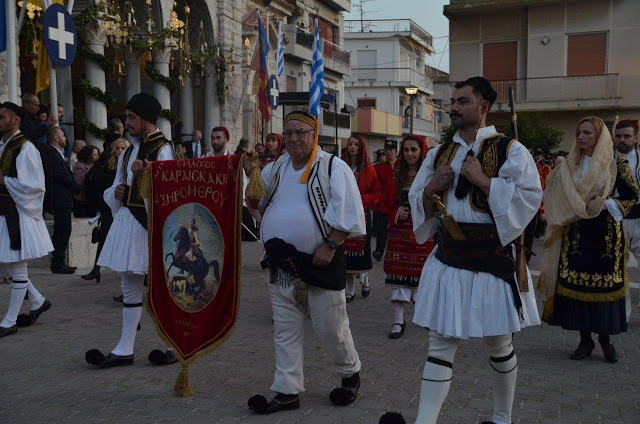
x=266, y=177
x=515, y=194
x=345, y=211
x=422, y=228
x=28, y=188
x=109, y=194
x=614, y=210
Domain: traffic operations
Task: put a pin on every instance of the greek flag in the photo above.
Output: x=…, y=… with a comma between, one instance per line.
x=3, y=28
x=317, y=74
x=280, y=52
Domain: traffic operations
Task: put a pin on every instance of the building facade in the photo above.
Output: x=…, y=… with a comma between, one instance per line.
x=566, y=59
x=388, y=57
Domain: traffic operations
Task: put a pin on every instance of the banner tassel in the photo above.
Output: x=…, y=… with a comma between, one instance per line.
x=181, y=386
x=255, y=187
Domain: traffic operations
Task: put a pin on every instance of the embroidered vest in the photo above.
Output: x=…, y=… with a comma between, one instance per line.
x=318, y=188
x=148, y=151
x=9, y=158
x=492, y=154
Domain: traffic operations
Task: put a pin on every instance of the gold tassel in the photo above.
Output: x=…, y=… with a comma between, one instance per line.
x=145, y=184
x=547, y=309
x=255, y=187
x=181, y=386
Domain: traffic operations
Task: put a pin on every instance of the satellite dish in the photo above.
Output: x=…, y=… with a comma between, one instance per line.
x=351, y=110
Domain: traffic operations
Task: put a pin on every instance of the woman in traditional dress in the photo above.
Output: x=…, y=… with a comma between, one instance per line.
x=404, y=257
x=358, y=250
x=583, y=265
x=273, y=147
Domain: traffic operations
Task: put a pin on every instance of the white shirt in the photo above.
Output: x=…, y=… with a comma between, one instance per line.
x=2, y=142
x=514, y=196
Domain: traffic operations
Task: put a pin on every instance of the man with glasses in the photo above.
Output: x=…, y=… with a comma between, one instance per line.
x=312, y=205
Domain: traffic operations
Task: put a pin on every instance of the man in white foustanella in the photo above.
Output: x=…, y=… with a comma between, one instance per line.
x=23, y=232
x=126, y=248
x=489, y=185
x=626, y=143
x=312, y=205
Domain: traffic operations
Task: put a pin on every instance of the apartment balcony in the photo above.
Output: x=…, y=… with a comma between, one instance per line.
x=328, y=122
x=421, y=127
x=552, y=93
x=300, y=46
x=373, y=121
x=339, y=5
x=366, y=76
x=383, y=28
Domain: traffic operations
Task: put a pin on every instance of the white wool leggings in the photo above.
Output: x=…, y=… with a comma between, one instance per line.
x=438, y=372
x=132, y=291
x=18, y=276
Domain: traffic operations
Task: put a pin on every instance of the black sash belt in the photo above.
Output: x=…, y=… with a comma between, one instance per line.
x=634, y=213
x=10, y=212
x=138, y=212
x=480, y=252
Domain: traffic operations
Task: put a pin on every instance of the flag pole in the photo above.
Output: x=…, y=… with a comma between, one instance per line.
x=12, y=57
x=53, y=83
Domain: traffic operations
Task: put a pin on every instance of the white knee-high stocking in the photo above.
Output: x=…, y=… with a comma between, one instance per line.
x=132, y=288
x=504, y=363
x=436, y=377
x=35, y=297
x=18, y=290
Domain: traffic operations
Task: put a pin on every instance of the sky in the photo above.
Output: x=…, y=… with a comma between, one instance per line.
x=426, y=13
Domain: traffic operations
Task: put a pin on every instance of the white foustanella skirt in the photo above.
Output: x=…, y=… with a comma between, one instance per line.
x=126, y=248
x=34, y=238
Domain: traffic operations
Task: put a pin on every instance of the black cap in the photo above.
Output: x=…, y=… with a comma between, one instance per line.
x=391, y=145
x=14, y=108
x=145, y=106
x=538, y=151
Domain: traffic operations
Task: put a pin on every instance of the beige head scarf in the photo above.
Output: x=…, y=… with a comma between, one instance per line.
x=570, y=196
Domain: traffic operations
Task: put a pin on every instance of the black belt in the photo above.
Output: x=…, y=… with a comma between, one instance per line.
x=10, y=212
x=634, y=213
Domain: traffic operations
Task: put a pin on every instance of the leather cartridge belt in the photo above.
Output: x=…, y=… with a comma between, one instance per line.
x=481, y=250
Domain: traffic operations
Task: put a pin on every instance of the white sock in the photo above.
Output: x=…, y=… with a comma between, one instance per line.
x=436, y=377
x=398, y=314
x=130, y=319
x=18, y=290
x=503, y=360
x=36, y=299
x=364, y=279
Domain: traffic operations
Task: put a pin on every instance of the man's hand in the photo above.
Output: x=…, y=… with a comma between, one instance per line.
x=442, y=181
x=51, y=121
x=323, y=255
x=472, y=171
x=121, y=192
x=403, y=213
x=137, y=167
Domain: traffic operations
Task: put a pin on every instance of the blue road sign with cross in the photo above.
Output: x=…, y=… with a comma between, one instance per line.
x=60, y=37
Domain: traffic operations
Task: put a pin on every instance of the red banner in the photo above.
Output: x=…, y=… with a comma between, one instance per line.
x=194, y=245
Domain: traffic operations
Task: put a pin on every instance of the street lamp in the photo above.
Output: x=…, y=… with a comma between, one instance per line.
x=411, y=90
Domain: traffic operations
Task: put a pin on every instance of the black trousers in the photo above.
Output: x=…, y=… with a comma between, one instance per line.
x=106, y=219
x=380, y=230
x=247, y=220
x=61, y=234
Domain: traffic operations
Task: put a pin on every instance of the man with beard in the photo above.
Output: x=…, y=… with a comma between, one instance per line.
x=28, y=125
x=23, y=232
x=219, y=139
x=126, y=249
x=490, y=186
x=626, y=144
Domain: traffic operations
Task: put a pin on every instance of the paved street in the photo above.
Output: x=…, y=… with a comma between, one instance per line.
x=44, y=378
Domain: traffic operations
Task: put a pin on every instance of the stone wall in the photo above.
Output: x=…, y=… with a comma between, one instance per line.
x=81, y=252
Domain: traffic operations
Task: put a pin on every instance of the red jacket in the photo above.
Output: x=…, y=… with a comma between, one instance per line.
x=384, y=170
x=366, y=176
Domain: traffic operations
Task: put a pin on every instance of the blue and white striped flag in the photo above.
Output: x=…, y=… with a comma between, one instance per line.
x=280, y=52
x=317, y=74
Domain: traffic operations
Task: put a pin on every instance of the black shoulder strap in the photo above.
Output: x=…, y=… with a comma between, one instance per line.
x=331, y=164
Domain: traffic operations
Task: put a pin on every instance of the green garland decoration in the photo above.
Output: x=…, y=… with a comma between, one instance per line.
x=170, y=116
x=87, y=16
x=100, y=59
x=155, y=75
x=143, y=45
x=220, y=79
x=81, y=120
x=96, y=93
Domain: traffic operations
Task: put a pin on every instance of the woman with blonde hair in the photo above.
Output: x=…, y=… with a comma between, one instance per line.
x=102, y=177
x=583, y=274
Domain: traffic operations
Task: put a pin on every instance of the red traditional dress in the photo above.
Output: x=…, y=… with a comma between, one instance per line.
x=404, y=257
x=358, y=250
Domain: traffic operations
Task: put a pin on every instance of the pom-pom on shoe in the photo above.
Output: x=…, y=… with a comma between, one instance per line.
x=392, y=418
x=158, y=357
x=281, y=402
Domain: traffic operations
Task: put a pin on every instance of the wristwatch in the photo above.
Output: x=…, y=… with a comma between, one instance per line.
x=332, y=244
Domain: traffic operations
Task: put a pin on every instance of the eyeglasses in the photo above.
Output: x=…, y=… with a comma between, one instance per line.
x=298, y=133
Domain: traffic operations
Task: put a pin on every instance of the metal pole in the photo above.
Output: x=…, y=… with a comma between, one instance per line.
x=12, y=56
x=53, y=83
x=411, y=118
x=335, y=108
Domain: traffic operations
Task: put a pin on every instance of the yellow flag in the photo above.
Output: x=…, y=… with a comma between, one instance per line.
x=42, y=69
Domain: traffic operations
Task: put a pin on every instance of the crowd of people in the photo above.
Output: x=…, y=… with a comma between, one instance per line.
x=447, y=223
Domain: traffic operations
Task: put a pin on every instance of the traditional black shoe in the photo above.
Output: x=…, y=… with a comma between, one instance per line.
x=377, y=255
x=584, y=349
x=96, y=358
x=7, y=331
x=93, y=275
x=25, y=320
x=158, y=357
x=348, y=392
x=397, y=335
x=366, y=291
x=609, y=351
x=281, y=402
x=118, y=298
x=62, y=269
x=349, y=297
x=392, y=418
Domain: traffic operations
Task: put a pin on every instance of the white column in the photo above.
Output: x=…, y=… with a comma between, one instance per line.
x=132, y=69
x=95, y=110
x=211, y=106
x=161, y=58
x=186, y=106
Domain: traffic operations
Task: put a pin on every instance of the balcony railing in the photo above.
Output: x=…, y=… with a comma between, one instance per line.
x=335, y=52
x=388, y=25
x=329, y=118
x=586, y=87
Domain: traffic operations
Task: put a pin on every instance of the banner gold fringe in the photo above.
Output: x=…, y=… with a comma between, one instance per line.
x=181, y=386
x=255, y=187
x=145, y=184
